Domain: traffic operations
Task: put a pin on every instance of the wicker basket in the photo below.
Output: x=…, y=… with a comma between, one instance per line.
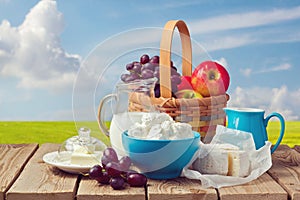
x=202, y=114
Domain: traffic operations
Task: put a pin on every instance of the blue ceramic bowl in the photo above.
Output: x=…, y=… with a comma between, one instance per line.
x=160, y=159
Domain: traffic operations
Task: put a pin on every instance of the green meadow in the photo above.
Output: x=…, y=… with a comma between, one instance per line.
x=57, y=132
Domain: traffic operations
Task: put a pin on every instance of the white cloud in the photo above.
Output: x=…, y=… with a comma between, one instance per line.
x=32, y=52
x=270, y=99
x=244, y=20
x=282, y=67
x=229, y=31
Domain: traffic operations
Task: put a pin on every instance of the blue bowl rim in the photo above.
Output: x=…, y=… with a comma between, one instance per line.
x=196, y=135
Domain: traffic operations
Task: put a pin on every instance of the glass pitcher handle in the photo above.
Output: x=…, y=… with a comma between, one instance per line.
x=282, y=126
x=100, y=116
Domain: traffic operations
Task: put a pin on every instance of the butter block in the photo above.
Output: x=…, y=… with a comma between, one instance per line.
x=84, y=159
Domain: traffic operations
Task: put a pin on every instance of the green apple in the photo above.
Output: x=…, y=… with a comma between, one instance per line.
x=188, y=94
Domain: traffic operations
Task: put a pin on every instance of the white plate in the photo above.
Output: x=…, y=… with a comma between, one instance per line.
x=52, y=159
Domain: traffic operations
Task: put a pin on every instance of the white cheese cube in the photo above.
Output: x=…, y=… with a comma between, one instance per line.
x=216, y=162
x=223, y=159
x=239, y=163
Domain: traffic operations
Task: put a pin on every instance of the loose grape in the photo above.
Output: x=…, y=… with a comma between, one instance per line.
x=125, y=163
x=104, y=160
x=95, y=172
x=104, y=178
x=136, y=180
x=113, y=169
x=117, y=183
x=111, y=154
x=144, y=59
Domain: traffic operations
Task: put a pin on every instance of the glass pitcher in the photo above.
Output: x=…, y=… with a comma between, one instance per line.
x=123, y=114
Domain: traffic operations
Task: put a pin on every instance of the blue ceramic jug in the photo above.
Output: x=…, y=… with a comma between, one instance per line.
x=253, y=121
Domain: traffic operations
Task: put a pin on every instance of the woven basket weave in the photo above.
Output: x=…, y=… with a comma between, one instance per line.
x=203, y=114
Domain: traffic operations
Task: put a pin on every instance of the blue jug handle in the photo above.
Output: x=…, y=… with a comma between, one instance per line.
x=282, y=125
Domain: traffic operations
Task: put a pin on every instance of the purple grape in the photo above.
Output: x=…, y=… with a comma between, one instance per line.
x=113, y=169
x=157, y=90
x=174, y=88
x=154, y=59
x=137, y=180
x=156, y=74
x=174, y=68
x=95, y=172
x=124, y=77
x=171, y=63
x=104, y=178
x=111, y=154
x=175, y=79
x=148, y=66
x=137, y=68
x=125, y=163
x=117, y=183
x=147, y=73
x=144, y=59
x=132, y=77
x=130, y=171
x=129, y=66
x=104, y=160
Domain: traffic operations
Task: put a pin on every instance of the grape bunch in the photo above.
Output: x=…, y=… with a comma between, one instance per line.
x=148, y=68
x=116, y=172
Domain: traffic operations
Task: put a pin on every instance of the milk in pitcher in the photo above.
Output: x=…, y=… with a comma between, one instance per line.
x=120, y=123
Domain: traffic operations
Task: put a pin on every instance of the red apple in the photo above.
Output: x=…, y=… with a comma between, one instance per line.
x=210, y=79
x=185, y=83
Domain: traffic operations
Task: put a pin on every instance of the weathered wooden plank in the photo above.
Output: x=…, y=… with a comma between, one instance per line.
x=297, y=148
x=13, y=160
x=262, y=188
x=90, y=190
x=41, y=181
x=286, y=170
x=180, y=188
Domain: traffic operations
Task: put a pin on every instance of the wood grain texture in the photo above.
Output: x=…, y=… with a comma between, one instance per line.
x=180, y=188
x=286, y=170
x=262, y=188
x=41, y=181
x=13, y=159
x=297, y=148
x=90, y=190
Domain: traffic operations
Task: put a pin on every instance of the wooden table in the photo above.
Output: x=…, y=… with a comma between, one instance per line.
x=24, y=176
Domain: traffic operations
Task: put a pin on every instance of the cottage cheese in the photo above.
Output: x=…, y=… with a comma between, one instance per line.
x=160, y=126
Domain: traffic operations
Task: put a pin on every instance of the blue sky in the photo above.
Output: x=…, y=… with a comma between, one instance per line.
x=43, y=45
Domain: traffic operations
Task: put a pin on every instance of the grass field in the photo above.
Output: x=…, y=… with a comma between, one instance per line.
x=57, y=132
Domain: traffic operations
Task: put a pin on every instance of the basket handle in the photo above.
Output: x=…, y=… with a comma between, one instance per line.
x=165, y=55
